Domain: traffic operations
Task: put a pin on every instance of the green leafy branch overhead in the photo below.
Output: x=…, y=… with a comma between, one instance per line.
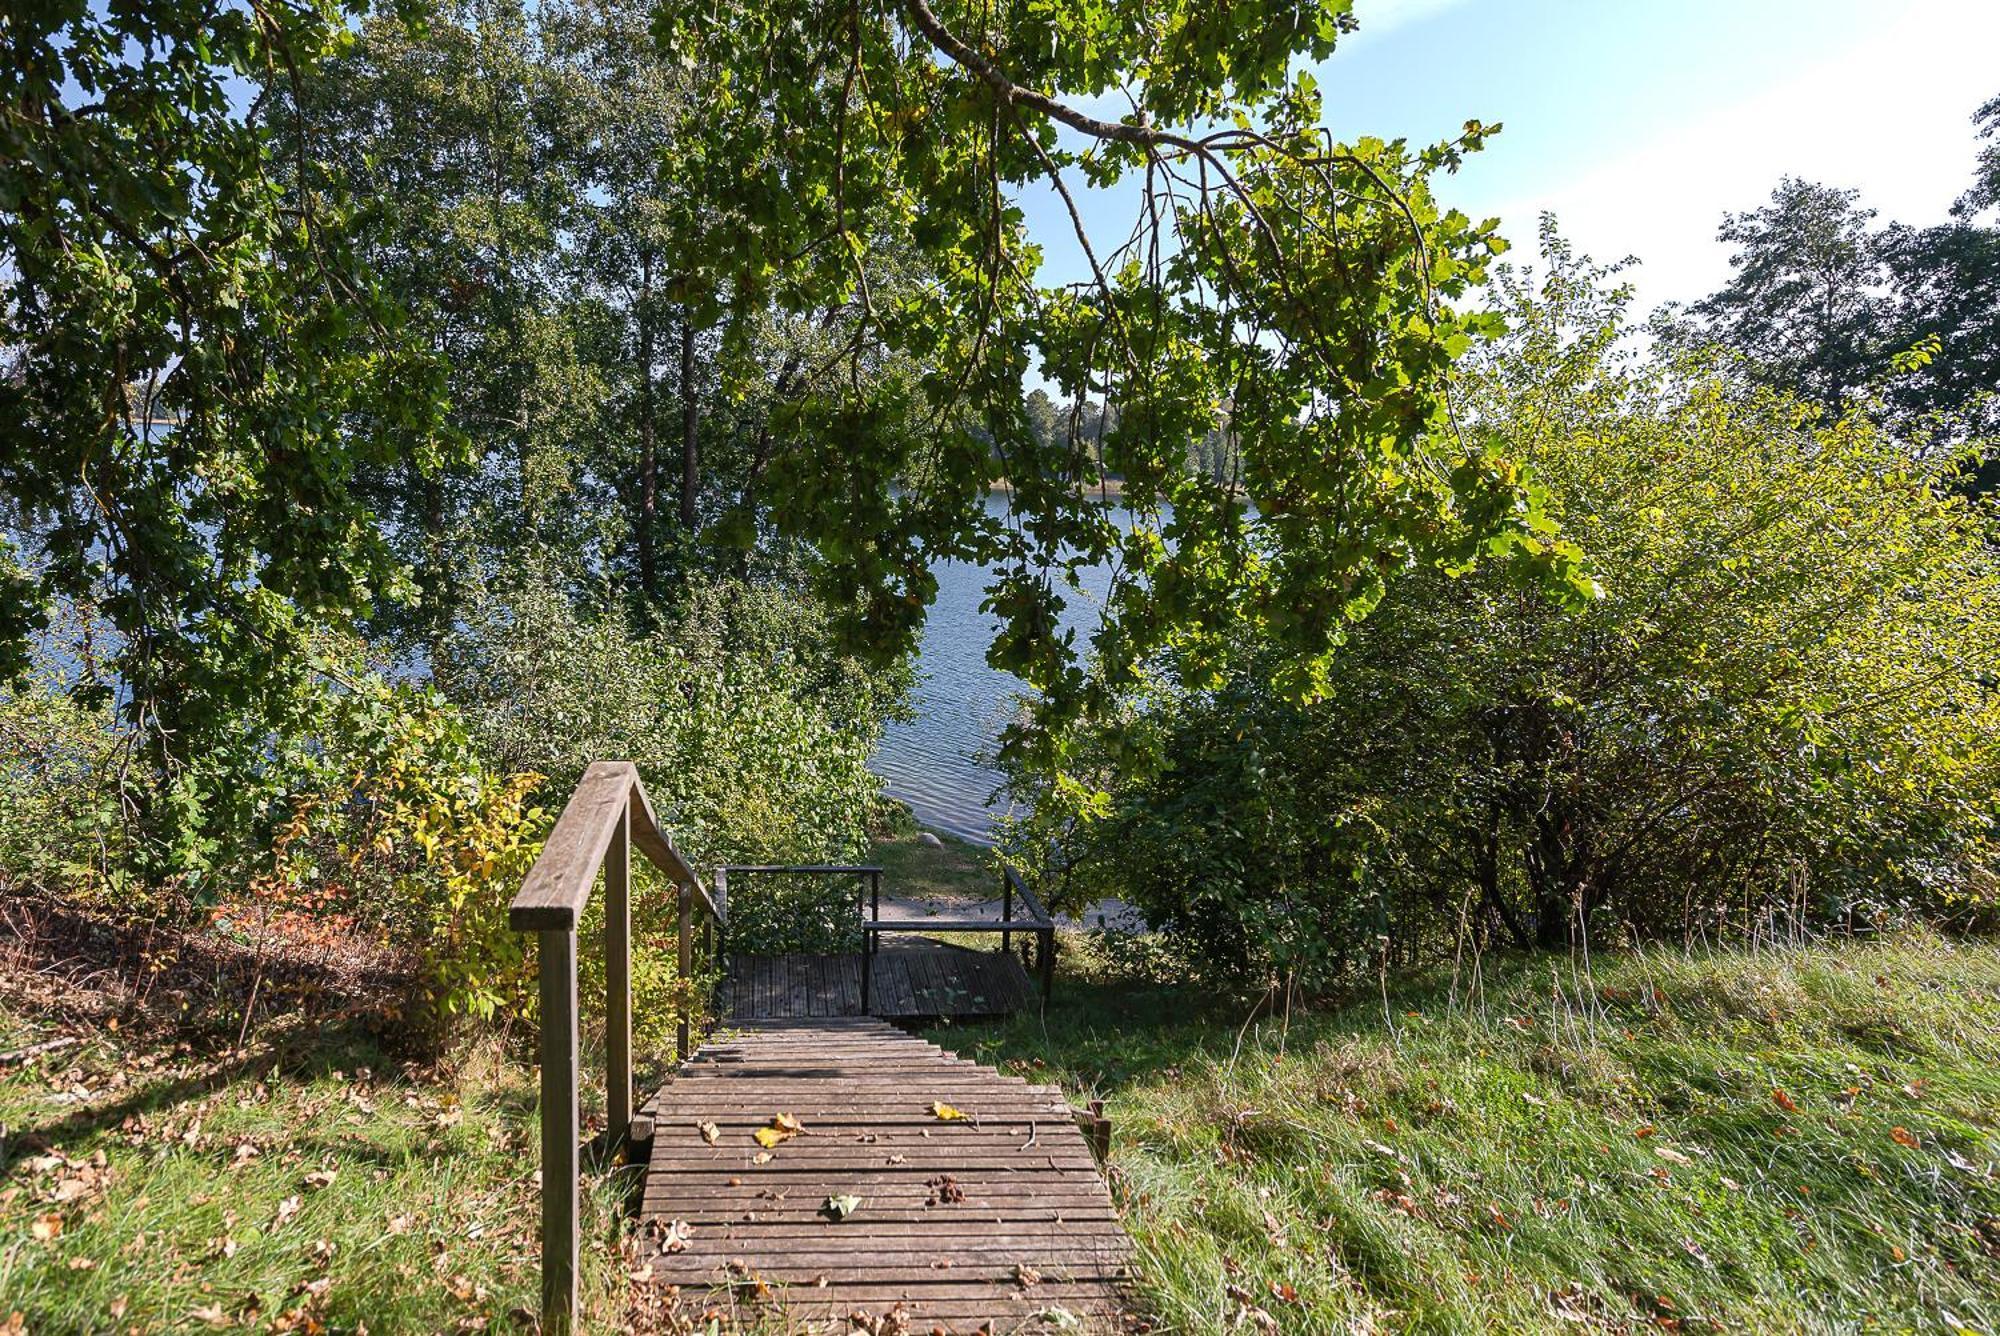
x=1306, y=295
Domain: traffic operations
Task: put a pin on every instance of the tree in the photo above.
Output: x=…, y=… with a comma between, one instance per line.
x=1314, y=284
x=1804, y=306
x=1903, y=322
x=1946, y=285
x=1985, y=190
x=201, y=367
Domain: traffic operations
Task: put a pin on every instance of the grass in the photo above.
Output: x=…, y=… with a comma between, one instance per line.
x=305, y=1183
x=950, y=871
x=1797, y=1141
x=1793, y=1142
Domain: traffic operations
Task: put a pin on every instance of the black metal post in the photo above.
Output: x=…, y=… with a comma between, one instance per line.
x=1006, y=910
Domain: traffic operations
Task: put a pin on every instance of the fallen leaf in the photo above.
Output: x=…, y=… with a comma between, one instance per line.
x=288, y=1208
x=45, y=1227
x=1643, y=1132
x=400, y=1224
x=321, y=1178
x=212, y=1314
x=783, y=1127
x=947, y=1114
x=676, y=1237
x=709, y=1132
x=1025, y=1275
x=1672, y=1156
x=839, y=1208
x=1903, y=1136
x=762, y=1157
x=1783, y=1101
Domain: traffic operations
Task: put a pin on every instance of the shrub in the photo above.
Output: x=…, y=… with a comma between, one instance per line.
x=1781, y=708
x=752, y=736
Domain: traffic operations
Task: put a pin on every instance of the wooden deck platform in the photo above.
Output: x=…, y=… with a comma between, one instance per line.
x=913, y=980
x=1000, y=1218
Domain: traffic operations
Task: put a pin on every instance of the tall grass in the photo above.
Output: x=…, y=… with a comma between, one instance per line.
x=1780, y=1140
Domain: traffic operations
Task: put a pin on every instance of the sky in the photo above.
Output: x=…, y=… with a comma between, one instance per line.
x=1639, y=123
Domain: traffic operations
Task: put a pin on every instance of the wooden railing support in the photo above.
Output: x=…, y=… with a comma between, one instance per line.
x=559, y=1128
x=685, y=963
x=606, y=815
x=618, y=981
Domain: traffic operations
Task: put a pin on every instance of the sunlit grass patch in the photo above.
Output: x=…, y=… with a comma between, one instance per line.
x=1788, y=1141
x=308, y=1186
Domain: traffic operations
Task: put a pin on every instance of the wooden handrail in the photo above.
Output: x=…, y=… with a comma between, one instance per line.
x=607, y=814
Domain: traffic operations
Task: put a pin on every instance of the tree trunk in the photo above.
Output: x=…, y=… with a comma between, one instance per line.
x=649, y=463
x=690, y=423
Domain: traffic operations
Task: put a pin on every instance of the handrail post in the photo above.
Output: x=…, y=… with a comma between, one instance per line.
x=683, y=1031
x=1006, y=911
x=1047, y=950
x=618, y=980
x=557, y=971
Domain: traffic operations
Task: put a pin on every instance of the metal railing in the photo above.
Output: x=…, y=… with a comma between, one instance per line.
x=1037, y=924
x=606, y=815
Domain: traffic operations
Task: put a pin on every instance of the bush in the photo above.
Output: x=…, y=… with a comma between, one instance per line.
x=1781, y=708
x=60, y=824
x=751, y=735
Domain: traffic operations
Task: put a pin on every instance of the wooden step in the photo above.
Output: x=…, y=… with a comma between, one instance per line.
x=1001, y=1218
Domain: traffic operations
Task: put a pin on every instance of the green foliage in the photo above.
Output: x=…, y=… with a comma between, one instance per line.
x=752, y=738
x=772, y=913
x=1825, y=306
x=1782, y=702
x=397, y=829
x=1804, y=304
x=199, y=364
x=60, y=826
x=1313, y=286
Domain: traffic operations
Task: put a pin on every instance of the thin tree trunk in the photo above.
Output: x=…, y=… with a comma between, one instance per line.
x=649, y=463
x=690, y=424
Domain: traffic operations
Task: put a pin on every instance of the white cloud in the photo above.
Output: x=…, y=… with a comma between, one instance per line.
x=1891, y=115
x=1382, y=16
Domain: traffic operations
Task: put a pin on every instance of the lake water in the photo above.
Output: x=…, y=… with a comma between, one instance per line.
x=940, y=763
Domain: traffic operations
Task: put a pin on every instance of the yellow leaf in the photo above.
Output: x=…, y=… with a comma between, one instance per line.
x=945, y=1113
x=783, y=1128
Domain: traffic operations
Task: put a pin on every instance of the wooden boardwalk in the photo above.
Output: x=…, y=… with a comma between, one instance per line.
x=912, y=980
x=1000, y=1218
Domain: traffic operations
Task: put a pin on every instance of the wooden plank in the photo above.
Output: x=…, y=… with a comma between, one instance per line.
x=556, y=973
x=1032, y=1191
x=618, y=978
